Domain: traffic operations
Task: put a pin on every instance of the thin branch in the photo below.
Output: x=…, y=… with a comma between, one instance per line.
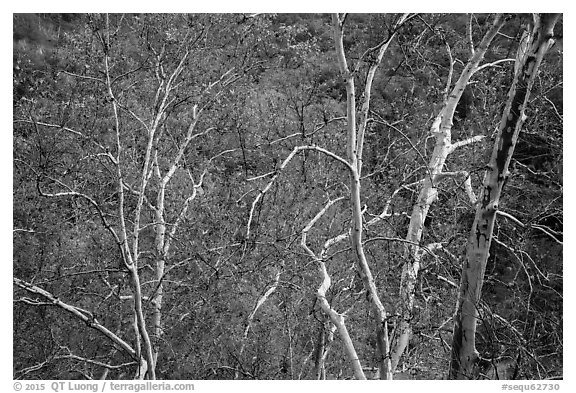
x=82, y=273
x=391, y=239
x=447, y=281
x=381, y=47
x=259, y=177
x=32, y=302
x=19, y=374
x=246, y=373
x=470, y=39
x=95, y=362
x=182, y=214
x=134, y=192
x=135, y=116
x=23, y=230
x=317, y=128
x=541, y=228
x=336, y=318
x=71, y=131
x=506, y=36
x=196, y=188
x=374, y=64
x=75, y=311
x=91, y=78
x=123, y=239
x=189, y=137
x=467, y=182
x=511, y=217
x=388, y=124
x=250, y=317
x=385, y=213
x=296, y=150
x=311, y=224
x=547, y=231
x=128, y=72
x=450, y=70
x=521, y=261
x=424, y=249
x=560, y=117
x=465, y=142
x=92, y=202
x=494, y=63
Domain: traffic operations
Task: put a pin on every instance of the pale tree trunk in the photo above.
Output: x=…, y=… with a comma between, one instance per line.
x=131, y=243
x=465, y=360
x=160, y=269
x=130, y=257
x=353, y=162
x=163, y=236
x=355, y=145
x=442, y=131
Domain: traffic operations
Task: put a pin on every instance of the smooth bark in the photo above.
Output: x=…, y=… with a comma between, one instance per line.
x=363, y=269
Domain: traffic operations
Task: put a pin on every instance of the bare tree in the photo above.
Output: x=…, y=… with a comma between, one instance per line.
x=357, y=121
x=355, y=146
x=143, y=172
x=466, y=362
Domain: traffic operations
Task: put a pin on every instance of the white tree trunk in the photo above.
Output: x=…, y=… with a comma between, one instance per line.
x=442, y=130
x=465, y=360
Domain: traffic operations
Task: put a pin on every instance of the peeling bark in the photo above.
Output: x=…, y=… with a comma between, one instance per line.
x=465, y=360
x=442, y=130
